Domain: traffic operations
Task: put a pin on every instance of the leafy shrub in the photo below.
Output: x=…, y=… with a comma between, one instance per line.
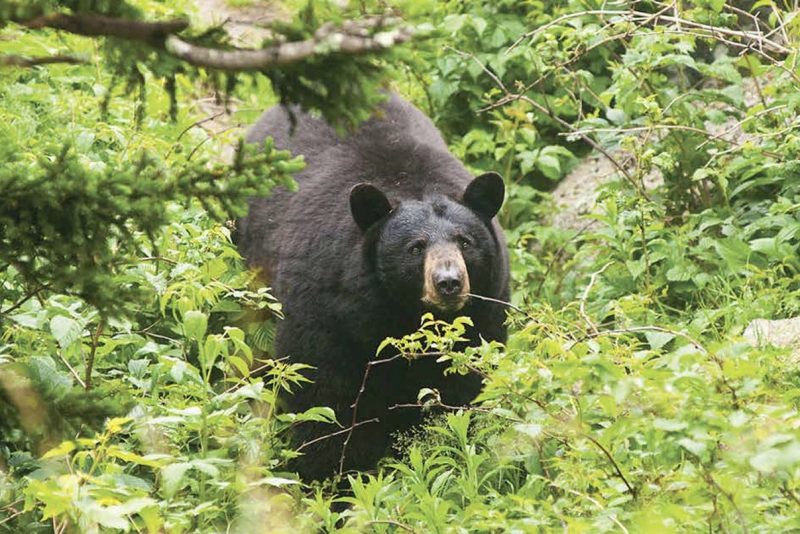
x=624, y=398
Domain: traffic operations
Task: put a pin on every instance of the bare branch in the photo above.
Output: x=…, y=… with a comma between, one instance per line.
x=32, y=293
x=24, y=61
x=681, y=127
x=100, y=26
x=351, y=37
x=393, y=523
x=640, y=18
x=497, y=301
x=334, y=434
x=439, y=404
x=354, y=406
x=585, y=296
x=638, y=329
x=87, y=381
x=71, y=369
x=326, y=39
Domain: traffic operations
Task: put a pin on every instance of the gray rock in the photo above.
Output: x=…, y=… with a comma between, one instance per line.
x=778, y=333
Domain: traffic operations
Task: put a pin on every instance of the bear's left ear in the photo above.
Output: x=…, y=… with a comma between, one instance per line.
x=484, y=194
x=368, y=205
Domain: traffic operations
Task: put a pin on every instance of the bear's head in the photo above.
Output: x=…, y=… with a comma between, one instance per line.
x=436, y=251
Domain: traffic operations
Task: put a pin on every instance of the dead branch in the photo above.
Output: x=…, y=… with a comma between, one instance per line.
x=371, y=34
x=439, y=404
x=24, y=61
x=393, y=523
x=640, y=329
x=680, y=127
x=103, y=26
x=585, y=296
x=334, y=434
x=751, y=39
x=327, y=38
x=497, y=301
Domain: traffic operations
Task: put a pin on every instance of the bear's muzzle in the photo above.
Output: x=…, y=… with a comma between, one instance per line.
x=446, y=285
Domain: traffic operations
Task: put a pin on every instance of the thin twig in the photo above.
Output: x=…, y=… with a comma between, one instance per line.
x=511, y=97
x=391, y=522
x=681, y=127
x=787, y=492
x=588, y=498
x=193, y=125
x=71, y=370
x=738, y=125
x=585, y=296
x=90, y=362
x=638, y=329
x=497, y=301
x=439, y=404
x=640, y=16
x=608, y=455
x=158, y=258
x=24, y=299
x=361, y=390
x=710, y=479
x=12, y=516
x=354, y=406
x=594, y=144
x=334, y=434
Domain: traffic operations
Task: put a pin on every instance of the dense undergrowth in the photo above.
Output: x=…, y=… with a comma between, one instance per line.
x=625, y=398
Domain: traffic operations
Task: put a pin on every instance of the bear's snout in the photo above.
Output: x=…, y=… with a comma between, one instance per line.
x=446, y=279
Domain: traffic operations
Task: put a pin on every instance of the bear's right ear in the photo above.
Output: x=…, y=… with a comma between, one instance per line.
x=485, y=194
x=368, y=205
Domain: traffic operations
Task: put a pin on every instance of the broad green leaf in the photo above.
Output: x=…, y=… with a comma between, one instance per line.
x=194, y=324
x=172, y=478
x=65, y=330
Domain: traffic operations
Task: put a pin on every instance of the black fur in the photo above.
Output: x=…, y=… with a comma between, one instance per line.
x=347, y=285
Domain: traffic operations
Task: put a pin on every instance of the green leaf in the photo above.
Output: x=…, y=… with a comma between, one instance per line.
x=695, y=447
x=172, y=478
x=670, y=425
x=65, y=330
x=63, y=449
x=658, y=339
x=530, y=430
x=195, y=324
x=107, y=516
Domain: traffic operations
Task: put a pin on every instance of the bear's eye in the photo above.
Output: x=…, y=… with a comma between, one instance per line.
x=417, y=247
x=464, y=242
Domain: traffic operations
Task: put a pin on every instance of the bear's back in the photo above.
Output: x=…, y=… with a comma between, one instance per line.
x=303, y=134
x=399, y=150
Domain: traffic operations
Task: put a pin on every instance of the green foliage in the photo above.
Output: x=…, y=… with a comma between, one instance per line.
x=137, y=387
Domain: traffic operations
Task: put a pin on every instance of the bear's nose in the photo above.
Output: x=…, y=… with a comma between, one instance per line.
x=448, y=283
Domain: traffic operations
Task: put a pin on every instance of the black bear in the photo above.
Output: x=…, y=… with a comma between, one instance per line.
x=386, y=225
